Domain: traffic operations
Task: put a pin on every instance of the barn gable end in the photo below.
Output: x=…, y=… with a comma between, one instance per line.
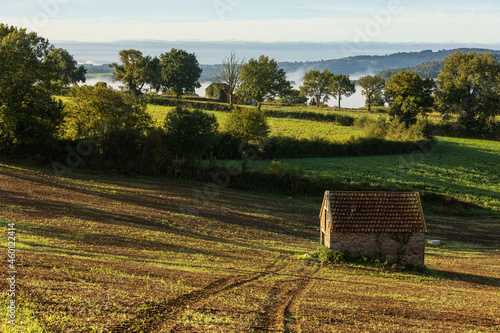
x=385, y=225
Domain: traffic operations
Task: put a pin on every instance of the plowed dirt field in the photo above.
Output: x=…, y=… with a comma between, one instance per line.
x=101, y=253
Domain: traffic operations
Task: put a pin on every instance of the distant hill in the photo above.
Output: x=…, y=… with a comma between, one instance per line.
x=429, y=69
x=363, y=65
x=98, y=69
x=426, y=63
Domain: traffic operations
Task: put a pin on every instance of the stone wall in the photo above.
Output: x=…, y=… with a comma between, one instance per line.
x=398, y=247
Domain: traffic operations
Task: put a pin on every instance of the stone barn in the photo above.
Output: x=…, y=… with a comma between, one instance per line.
x=384, y=225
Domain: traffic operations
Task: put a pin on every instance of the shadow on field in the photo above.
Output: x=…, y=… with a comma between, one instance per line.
x=468, y=230
x=45, y=208
x=471, y=278
x=188, y=199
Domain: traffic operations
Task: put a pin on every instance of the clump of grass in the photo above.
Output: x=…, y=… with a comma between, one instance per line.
x=325, y=255
x=394, y=129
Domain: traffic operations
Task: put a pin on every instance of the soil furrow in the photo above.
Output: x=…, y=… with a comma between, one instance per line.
x=291, y=314
x=278, y=314
x=156, y=313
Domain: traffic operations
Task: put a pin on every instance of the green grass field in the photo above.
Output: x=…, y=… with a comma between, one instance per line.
x=294, y=128
x=310, y=130
x=355, y=113
x=465, y=168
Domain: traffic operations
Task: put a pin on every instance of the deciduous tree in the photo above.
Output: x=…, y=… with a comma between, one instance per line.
x=67, y=70
x=29, y=116
x=293, y=96
x=469, y=86
x=190, y=133
x=180, y=72
x=135, y=71
x=372, y=88
x=341, y=85
x=229, y=75
x=317, y=85
x=408, y=95
x=248, y=125
x=262, y=79
x=94, y=112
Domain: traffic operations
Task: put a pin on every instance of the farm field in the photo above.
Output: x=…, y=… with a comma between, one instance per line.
x=311, y=130
x=99, y=253
x=355, y=113
x=294, y=128
x=465, y=168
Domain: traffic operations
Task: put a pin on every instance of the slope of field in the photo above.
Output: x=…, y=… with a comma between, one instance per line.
x=110, y=254
x=465, y=168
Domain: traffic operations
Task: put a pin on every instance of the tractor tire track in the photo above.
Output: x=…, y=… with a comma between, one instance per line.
x=160, y=312
x=281, y=312
x=291, y=314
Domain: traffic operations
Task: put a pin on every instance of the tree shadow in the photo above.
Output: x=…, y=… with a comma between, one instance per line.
x=465, y=277
x=201, y=208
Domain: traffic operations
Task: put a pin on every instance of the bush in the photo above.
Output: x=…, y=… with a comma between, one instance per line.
x=94, y=112
x=133, y=152
x=124, y=151
x=230, y=147
x=227, y=147
x=324, y=255
x=394, y=129
x=190, y=134
x=456, y=129
x=247, y=125
x=314, y=116
x=291, y=175
x=286, y=147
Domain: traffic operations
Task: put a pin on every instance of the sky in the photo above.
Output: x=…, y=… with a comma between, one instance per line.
x=397, y=21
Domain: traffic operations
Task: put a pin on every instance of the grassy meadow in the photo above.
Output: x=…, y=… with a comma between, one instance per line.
x=464, y=168
x=294, y=128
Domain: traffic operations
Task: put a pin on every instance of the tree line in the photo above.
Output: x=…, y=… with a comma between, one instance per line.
x=467, y=87
x=33, y=122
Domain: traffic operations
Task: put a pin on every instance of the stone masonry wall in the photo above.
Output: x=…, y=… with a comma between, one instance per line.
x=400, y=247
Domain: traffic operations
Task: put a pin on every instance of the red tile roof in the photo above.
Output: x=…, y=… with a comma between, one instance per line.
x=376, y=212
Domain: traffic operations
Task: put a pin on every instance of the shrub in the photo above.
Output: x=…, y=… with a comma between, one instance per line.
x=325, y=255
x=248, y=125
x=286, y=147
x=93, y=112
x=314, y=116
x=227, y=147
x=394, y=129
x=190, y=134
x=133, y=152
x=201, y=104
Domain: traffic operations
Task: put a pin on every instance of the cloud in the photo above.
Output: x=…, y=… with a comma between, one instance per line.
x=407, y=26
